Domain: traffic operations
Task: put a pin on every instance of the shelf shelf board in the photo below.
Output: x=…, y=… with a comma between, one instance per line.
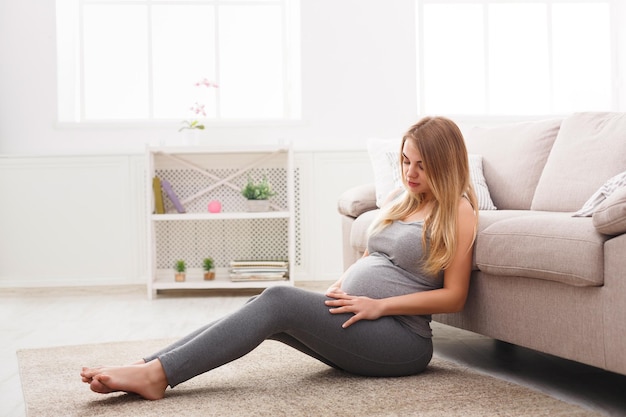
x=195, y=281
x=222, y=216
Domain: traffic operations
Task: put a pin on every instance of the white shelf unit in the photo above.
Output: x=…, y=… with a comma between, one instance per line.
x=199, y=175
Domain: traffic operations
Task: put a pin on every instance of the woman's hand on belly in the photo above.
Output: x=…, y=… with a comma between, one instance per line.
x=363, y=308
x=334, y=289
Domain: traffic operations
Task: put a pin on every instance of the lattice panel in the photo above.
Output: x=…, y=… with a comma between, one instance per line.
x=223, y=240
x=187, y=182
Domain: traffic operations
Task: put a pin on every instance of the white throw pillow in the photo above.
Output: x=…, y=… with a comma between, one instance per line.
x=602, y=194
x=610, y=216
x=385, y=156
x=480, y=183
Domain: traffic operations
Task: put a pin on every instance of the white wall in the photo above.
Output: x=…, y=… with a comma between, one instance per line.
x=72, y=220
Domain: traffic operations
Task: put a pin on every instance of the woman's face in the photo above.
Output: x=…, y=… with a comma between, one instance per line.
x=413, y=170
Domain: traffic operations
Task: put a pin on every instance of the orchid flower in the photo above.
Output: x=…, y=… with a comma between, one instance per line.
x=205, y=82
x=198, y=108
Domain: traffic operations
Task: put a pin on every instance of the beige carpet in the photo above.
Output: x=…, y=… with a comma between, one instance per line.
x=274, y=380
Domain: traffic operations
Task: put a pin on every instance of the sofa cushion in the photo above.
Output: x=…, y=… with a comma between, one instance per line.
x=513, y=158
x=610, y=216
x=549, y=246
x=589, y=149
x=489, y=217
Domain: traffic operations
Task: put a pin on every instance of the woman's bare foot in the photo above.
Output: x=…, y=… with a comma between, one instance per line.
x=87, y=374
x=100, y=388
x=147, y=380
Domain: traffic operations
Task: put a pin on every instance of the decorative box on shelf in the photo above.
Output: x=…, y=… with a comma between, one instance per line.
x=197, y=210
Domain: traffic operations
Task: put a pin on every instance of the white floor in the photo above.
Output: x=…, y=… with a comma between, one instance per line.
x=31, y=318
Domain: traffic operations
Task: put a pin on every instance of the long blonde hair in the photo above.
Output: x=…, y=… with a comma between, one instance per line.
x=444, y=157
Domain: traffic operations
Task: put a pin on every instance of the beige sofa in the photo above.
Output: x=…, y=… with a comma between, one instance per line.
x=549, y=268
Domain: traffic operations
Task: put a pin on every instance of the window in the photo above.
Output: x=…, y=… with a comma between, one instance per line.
x=167, y=60
x=515, y=58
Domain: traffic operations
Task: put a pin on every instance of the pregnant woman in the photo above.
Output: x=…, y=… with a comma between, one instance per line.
x=375, y=320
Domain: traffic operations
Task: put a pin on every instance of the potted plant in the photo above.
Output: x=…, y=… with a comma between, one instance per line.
x=209, y=268
x=194, y=125
x=257, y=194
x=180, y=267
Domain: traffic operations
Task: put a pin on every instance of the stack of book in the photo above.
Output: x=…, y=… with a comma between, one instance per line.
x=259, y=270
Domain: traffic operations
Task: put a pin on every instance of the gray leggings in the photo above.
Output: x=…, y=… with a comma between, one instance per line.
x=300, y=319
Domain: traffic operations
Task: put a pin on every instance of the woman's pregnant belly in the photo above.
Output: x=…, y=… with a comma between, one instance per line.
x=375, y=276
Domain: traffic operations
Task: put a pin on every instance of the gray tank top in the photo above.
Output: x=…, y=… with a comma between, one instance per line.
x=394, y=267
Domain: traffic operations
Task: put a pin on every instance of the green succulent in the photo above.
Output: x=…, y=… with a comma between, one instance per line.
x=257, y=191
x=180, y=266
x=208, y=264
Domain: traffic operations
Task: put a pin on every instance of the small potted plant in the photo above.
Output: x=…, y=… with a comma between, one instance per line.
x=257, y=194
x=180, y=267
x=209, y=268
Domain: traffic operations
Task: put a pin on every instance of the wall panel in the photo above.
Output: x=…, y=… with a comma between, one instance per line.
x=68, y=221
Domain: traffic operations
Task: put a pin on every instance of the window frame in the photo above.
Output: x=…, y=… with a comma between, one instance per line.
x=74, y=114
x=617, y=100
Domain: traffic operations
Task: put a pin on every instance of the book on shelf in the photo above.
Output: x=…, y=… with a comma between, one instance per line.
x=167, y=187
x=159, y=207
x=257, y=277
x=261, y=270
x=259, y=263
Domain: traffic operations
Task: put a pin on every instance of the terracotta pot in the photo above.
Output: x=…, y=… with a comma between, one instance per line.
x=180, y=277
x=208, y=276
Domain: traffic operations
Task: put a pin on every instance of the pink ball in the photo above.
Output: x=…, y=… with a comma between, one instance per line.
x=215, y=206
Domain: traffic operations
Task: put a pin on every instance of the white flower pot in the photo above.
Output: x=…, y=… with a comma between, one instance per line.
x=258, y=205
x=191, y=137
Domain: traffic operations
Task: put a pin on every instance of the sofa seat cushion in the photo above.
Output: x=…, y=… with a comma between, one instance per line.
x=488, y=217
x=546, y=245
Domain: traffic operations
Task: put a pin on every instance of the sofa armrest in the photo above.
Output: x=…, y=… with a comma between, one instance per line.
x=357, y=200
